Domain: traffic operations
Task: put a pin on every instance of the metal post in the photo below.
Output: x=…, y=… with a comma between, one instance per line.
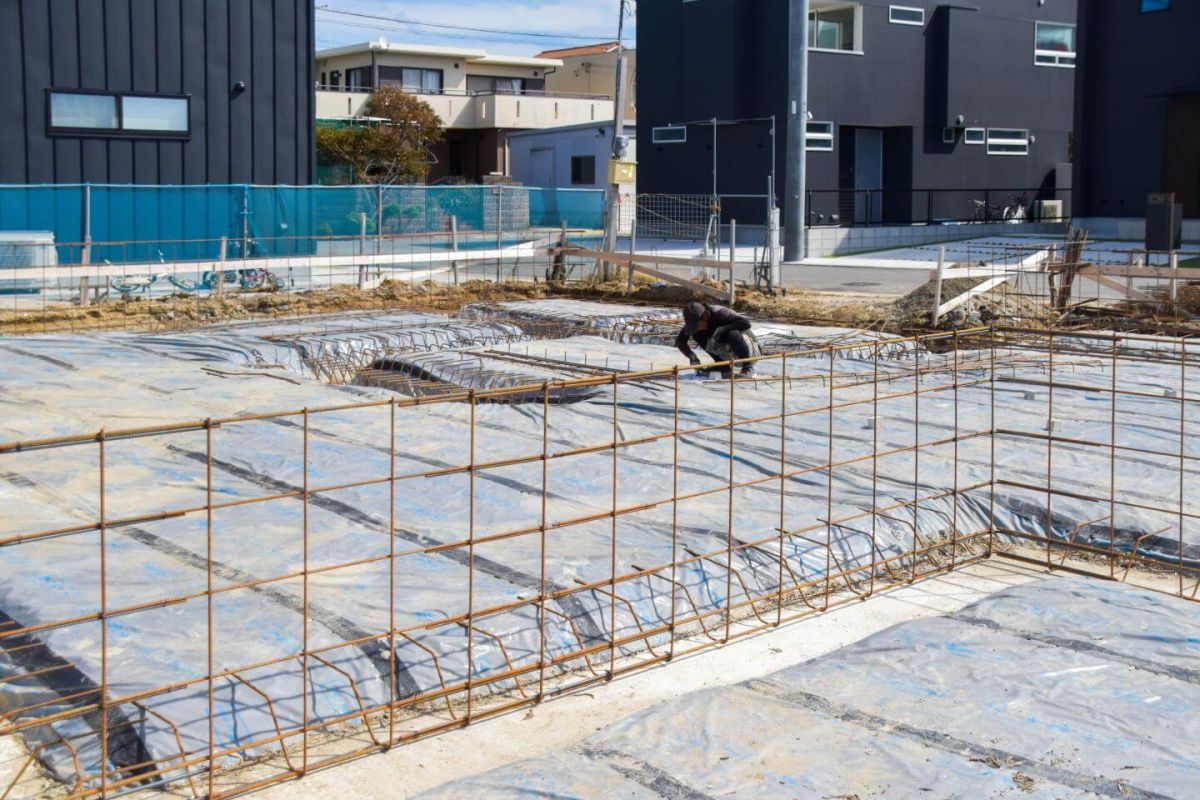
x=612, y=220
x=714, y=213
x=362, y=249
x=797, y=128
x=1174, y=261
x=499, y=227
x=732, y=249
x=499, y=217
x=245, y=220
x=775, y=272
x=378, y=214
x=221, y=270
x=935, y=314
x=454, y=246
x=86, y=255
x=632, y=251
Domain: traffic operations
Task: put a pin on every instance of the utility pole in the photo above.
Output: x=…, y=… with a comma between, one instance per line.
x=797, y=130
x=612, y=221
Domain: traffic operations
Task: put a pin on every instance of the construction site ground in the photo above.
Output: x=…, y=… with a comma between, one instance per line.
x=301, y=384
x=514, y=756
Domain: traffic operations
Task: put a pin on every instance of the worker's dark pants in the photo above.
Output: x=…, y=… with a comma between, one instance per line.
x=734, y=346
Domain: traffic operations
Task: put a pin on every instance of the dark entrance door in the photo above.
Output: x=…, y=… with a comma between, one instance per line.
x=875, y=175
x=1183, y=152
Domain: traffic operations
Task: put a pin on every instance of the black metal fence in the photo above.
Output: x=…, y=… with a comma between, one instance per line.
x=867, y=207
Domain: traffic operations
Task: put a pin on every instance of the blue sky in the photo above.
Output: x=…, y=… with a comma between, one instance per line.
x=594, y=19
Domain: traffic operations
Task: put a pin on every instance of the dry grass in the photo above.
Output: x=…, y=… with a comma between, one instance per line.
x=186, y=312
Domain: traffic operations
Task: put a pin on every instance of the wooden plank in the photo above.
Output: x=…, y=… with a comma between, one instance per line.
x=1123, y=271
x=955, y=302
x=624, y=258
x=708, y=291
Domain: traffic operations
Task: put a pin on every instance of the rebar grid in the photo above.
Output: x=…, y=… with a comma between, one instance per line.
x=810, y=573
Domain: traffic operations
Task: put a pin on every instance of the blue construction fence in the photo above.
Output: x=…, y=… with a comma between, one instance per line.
x=171, y=223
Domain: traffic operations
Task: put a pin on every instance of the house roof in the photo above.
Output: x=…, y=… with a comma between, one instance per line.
x=583, y=50
x=471, y=55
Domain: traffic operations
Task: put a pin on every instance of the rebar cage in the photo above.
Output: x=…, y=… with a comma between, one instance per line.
x=570, y=544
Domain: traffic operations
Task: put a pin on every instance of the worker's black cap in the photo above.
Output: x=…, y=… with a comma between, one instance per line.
x=692, y=314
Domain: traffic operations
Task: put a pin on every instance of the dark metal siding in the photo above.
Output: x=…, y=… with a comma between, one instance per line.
x=728, y=58
x=195, y=47
x=1131, y=64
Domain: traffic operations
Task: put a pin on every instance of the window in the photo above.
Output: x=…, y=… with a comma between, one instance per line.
x=111, y=114
x=835, y=26
x=97, y=111
x=1054, y=45
x=423, y=81
x=819, y=138
x=949, y=135
x=903, y=15
x=583, y=169
x=154, y=114
x=412, y=80
x=488, y=84
x=1007, y=142
x=358, y=79
x=1155, y=5
x=672, y=134
x=974, y=136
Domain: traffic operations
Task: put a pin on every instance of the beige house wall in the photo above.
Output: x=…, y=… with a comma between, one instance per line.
x=595, y=74
x=482, y=111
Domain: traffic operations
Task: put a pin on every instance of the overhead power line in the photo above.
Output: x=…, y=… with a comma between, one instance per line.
x=445, y=26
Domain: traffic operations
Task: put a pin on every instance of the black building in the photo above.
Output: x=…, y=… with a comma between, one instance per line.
x=156, y=91
x=1138, y=107
x=904, y=97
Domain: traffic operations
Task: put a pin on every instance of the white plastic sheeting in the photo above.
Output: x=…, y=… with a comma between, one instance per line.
x=1060, y=688
x=64, y=384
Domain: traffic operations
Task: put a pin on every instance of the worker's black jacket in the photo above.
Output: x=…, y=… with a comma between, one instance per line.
x=721, y=320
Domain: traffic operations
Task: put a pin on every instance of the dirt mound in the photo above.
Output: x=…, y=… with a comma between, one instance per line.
x=1000, y=304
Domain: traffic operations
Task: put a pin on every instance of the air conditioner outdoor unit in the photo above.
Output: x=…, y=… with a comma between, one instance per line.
x=1048, y=210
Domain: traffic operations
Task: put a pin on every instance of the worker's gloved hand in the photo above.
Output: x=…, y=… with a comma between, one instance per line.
x=694, y=360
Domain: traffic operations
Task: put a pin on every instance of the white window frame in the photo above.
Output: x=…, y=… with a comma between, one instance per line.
x=654, y=134
x=996, y=140
x=892, y=19
x=979, y=133
x=819, y=141
x=857, y=50
x=1054, y=58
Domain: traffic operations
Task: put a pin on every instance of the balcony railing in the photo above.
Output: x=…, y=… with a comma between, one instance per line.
x=472, y=92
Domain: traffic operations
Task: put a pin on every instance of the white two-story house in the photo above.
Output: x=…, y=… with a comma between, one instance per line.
x=479, y=97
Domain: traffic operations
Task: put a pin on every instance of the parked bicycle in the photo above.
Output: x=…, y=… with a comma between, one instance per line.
x=1014, y=211
x=245, y=279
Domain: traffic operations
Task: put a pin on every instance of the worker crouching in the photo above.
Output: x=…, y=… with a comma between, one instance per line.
x=722, y=333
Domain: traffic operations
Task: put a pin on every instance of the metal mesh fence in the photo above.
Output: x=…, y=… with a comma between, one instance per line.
x=270, y=220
